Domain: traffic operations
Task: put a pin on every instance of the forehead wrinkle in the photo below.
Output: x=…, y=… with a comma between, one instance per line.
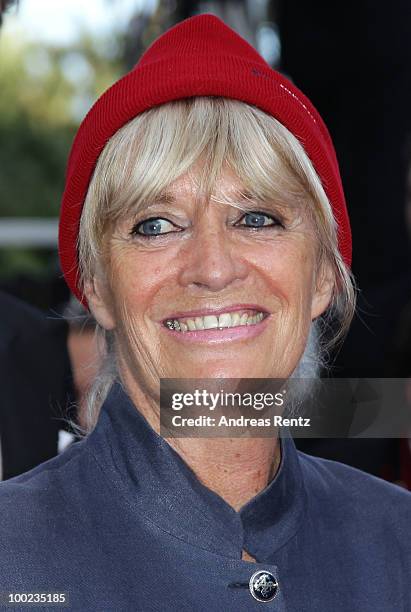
x=182, y=192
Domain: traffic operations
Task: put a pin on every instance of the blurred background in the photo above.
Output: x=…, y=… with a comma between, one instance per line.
x=352, y=59
x=56, y=58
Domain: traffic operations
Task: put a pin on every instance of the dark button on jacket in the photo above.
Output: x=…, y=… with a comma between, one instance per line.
x=119, y=522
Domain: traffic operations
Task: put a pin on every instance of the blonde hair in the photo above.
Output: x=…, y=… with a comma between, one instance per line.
x=155, y=148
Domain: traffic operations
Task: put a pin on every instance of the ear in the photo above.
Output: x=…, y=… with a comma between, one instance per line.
x=100, y=303
x=325, y=280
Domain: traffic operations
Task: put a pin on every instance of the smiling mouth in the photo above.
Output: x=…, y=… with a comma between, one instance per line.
x=224, y=320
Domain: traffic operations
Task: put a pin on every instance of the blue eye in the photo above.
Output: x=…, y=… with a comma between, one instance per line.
x=154, y=226
x=258, y=219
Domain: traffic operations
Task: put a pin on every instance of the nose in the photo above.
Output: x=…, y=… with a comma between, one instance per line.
x=212, y=260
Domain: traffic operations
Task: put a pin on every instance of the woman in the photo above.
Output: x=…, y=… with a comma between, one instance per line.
x=204, y=224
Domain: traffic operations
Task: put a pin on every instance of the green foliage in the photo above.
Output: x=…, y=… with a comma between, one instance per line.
x=44, y=93
x=32, y=161
x=30, y=261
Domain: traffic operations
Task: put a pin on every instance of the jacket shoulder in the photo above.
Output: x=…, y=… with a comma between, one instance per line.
x=31, y=496
x=346, y=491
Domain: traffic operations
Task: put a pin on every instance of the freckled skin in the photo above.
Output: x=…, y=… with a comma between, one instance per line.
x=212, y=263
x=209, y=261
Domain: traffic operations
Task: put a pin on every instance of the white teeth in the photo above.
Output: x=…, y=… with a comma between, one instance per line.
x=210, y=322
x=223, y=321
x=199, y=322
x=243, y=319
x=235, y=319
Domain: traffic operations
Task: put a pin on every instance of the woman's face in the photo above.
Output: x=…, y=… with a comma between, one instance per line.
x=195, y=266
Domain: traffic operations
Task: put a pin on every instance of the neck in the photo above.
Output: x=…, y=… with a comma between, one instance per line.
x=237, y=469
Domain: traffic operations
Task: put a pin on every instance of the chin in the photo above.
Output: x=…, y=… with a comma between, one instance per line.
x=220, y=371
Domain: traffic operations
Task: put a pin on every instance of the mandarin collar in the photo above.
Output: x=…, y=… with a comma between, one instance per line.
x=159, y=485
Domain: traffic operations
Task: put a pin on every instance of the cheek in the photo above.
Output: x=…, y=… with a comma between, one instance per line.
x=136, y=279
x=288, y=268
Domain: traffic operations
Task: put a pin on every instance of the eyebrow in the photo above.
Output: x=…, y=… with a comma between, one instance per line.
x=165, y=197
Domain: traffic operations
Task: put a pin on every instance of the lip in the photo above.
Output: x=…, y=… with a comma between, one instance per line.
x=214, y=311
x=219, y=336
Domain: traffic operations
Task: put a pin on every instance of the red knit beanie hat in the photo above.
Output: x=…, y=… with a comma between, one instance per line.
x=200, y=56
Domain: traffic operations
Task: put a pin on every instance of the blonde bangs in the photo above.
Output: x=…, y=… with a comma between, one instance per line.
x=155, y=148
